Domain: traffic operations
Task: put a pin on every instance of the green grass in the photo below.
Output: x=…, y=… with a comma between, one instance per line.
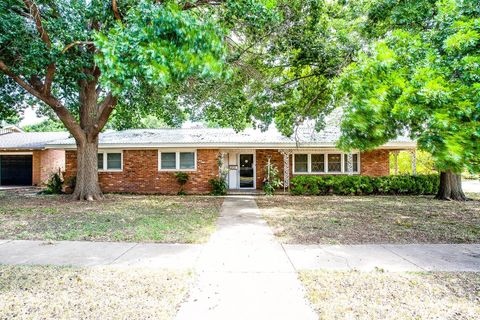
x=169, y=219
x=39, y=292
x=382, y=295
x=371, y=219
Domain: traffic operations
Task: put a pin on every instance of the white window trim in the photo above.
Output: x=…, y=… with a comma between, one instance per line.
x=326, y=172
x=177, y=159
x=105, y=152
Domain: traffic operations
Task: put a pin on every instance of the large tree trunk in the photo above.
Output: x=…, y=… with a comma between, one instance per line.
x=450, y=187
x=87, y=186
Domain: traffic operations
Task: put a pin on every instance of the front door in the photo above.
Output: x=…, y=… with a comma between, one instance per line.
x=247, y=171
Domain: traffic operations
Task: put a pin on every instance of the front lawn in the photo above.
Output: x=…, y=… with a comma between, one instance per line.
x=39, y=292
x=189, y=219
x=371, y=219
x=381, y=295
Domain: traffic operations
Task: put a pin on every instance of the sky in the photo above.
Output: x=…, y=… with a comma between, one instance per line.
x=30, y=117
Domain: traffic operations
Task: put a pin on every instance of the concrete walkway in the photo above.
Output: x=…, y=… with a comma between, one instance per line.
x=89, y=254
x=244, y=273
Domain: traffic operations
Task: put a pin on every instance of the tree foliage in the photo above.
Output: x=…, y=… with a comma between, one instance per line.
x=419, y=77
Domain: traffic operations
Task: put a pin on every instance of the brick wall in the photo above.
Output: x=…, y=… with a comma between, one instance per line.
x=51, y=161
x=276, y=158
x=140, y=173
x=36, y=167
x=375, y=163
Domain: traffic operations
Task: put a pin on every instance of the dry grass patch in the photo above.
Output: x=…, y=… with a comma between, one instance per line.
x=371, y=219
x=379, y=295
x=39, y=292
x=189, y=219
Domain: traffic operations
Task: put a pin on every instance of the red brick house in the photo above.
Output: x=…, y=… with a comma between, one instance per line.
x=25, y=160
x=145, y=160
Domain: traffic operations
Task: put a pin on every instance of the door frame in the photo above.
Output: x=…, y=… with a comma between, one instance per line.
x=254, y=166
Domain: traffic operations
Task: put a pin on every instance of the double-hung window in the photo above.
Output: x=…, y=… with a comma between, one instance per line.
x=110, y=161
x=177, y=160
x=324, y=163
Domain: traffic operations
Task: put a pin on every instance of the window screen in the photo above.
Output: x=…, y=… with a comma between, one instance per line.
x=168, y=160
x=114, y=161
x=187, y=160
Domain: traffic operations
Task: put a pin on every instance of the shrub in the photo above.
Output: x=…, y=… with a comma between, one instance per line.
x=219, y=186
x=272, y=181
x=182, y=179
x=363, y=185
x=54, y=185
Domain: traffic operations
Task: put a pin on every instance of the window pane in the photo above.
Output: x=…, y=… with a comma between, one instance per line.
x=354, y=162
x=114, y=161
x=301, y=163
x=187, y=160
x=318, y=163
x=168, y=160
x=334, y=163
x=100, y=161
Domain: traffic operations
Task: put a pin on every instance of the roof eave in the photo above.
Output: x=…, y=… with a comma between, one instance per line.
x=389, y=145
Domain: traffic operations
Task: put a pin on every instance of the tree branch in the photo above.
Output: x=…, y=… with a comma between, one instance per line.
x=76, y=43
x=104, y=111
x=115, y=10
x=199, y=3
x=50, y=73
x=38, y=22
x=62, y=112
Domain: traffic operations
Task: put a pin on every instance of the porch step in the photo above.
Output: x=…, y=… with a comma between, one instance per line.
x=234, y=192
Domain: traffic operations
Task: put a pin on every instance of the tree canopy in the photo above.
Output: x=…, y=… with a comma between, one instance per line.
x=418, y=77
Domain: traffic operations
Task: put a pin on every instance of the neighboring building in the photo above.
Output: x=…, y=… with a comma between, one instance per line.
x=4, y=129
x=24, y=160
x=144, y=160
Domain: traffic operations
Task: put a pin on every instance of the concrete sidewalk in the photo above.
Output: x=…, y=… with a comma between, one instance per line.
x=88, y=254
x=390, y=257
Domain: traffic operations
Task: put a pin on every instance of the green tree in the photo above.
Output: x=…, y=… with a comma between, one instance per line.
x=285, y=76
x=421, y=77
x=47, y=125
x=85, y=59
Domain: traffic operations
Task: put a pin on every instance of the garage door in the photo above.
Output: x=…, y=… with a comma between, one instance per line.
x=16, y=170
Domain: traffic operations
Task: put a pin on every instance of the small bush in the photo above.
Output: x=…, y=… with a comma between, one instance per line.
x=272, y=182
x=182, y=179
x=54, y=185
x=364, y=185
x=219, y=186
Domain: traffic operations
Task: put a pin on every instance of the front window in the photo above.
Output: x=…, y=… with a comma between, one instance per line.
x=168, y=160
x=177, y=160
x=187, y=160
x=301, y=163
x=109, y=161
x=318, y=162
x=114, y=161
x=334, y=163
x=100, y=161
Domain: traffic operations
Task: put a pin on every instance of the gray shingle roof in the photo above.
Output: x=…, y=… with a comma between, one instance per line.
x=29, y=140
x=305, y=136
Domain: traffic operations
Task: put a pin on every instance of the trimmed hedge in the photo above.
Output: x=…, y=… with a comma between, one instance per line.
x=364, y=185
